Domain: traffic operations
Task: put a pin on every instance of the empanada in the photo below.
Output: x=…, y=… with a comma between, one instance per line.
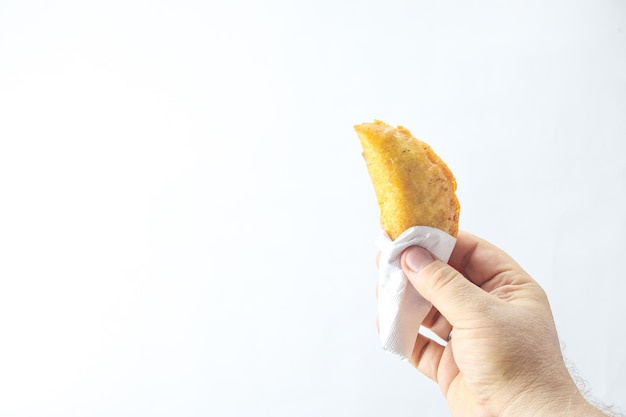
x=413, y=186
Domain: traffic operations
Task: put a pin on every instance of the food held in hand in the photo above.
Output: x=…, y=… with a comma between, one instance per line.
x=413, y=186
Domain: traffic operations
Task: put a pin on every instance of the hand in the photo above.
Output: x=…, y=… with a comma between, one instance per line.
x=504, y=357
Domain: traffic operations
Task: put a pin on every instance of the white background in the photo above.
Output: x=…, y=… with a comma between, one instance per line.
x=187, y=227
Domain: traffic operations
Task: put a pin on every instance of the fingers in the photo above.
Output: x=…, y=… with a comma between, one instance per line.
x=447, y=289
x=438, y=324
x=481, y=275
x=483, y=263
x=428, y=356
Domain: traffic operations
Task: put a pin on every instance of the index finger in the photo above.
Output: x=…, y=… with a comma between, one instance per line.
x=481, y=261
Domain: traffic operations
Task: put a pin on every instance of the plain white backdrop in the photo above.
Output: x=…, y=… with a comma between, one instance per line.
x=187, y=227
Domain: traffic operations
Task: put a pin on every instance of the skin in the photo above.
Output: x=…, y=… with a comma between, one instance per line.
x=504, y=357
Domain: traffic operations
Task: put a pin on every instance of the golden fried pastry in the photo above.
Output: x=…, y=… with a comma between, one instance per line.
x=413, y=186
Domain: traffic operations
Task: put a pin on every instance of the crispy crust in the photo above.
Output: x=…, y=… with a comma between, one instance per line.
x=413, y=186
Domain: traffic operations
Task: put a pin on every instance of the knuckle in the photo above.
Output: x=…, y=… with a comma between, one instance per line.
x=442, y=277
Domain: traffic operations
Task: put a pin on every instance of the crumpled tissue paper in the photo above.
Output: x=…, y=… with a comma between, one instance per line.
x=401, y=309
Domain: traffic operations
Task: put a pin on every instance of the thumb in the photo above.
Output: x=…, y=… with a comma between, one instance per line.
x=449, y=291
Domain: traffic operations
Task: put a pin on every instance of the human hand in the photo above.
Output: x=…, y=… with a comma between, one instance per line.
x=504, y=357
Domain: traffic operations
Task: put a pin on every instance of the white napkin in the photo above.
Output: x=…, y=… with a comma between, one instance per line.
x=401, y=309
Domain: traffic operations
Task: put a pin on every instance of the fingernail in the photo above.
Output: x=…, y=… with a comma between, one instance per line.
x=416, y=258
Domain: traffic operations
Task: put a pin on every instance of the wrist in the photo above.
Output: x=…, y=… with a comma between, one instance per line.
x=550, y=401
x=577, y=408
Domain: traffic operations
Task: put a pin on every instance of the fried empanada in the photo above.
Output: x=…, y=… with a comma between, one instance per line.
x=413, y=186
